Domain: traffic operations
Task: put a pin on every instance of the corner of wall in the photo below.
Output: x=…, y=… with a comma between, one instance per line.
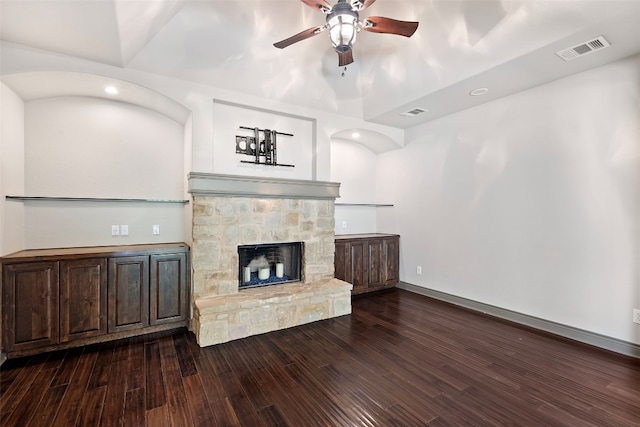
x=11, y=170
x=11, y=178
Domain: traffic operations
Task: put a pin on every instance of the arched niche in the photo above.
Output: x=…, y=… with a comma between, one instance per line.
x=81, y=142
x=35, y=85
x=375, y=141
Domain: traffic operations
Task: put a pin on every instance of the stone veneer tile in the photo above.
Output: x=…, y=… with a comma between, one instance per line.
x=253, y=311
x=220, y=224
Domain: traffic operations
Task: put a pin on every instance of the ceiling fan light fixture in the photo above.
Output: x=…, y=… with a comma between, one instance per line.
x=344, y=24
x=343, y=27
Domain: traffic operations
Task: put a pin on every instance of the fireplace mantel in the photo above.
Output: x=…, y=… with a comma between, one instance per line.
x=211, y=184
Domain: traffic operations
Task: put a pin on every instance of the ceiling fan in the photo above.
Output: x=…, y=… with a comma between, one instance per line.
x=343, y=24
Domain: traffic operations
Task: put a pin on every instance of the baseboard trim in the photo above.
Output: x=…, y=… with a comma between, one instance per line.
x=602, y=341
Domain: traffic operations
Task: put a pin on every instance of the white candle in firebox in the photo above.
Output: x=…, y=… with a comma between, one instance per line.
x=279, y=270
x=263, y=273
x=246, y=274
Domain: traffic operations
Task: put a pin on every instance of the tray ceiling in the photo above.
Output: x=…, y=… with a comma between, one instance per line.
x=507, y=46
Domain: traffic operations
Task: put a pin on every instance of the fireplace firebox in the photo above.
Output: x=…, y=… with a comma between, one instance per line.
x=269, y=264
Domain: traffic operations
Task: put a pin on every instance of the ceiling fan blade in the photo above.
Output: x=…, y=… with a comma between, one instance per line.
x=310, y=32
x=320, y=5
x=380, y=24
x=345, y=58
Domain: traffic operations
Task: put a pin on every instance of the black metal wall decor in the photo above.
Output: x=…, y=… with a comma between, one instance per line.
x=264, y=150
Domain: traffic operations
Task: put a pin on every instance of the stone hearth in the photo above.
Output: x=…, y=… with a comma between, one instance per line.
x=229, y=211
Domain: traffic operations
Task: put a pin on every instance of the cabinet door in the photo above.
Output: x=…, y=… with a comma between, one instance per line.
x=375, y=267
x=83, y=298
x=168, y=292
x=128, y=293
x=392, y=260
x=342, y=262
x=30, y=298
x=359, y=264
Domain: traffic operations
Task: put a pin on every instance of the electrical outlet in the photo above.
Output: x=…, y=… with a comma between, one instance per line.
x=419, y=269
x=636, y=315
x=124, y=230
x=344, y=224
x=115, y=230
x=156, y=229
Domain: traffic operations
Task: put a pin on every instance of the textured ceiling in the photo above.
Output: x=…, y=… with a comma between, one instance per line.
x=506, y=46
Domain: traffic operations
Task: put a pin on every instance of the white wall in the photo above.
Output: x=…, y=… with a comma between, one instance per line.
x=11, y=171
x=354, y=167
x=11, y=178
x=296, y=150
x=529, y=203
x=187, y=162
x=98, y=148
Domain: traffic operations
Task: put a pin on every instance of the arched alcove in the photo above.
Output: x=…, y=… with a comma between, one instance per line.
x=85, y=145
x=35, y=85
x=375, y=141
x=354, y=154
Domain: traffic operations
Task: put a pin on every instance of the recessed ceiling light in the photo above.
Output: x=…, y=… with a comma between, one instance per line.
x=355, y=135
x=111, y=90
x=479, y=91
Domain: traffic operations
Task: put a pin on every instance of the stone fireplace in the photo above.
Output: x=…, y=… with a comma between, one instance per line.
x=230, y=212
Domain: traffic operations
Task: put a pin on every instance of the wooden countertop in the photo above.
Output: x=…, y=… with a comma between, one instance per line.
x=363, y=236
x=92, y=251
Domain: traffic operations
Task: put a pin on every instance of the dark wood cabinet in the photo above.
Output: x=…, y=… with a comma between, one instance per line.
x=128, y=293
x=168, y=289
x=342, y=263
x=359, y=266
x=391, y=250
x=368, y=261
x=30, y=295
x=60, y=298
x=147, y=291
x=83, y=298
x=376, y=263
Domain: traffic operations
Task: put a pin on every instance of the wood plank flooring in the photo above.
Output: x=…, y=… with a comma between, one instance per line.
x=400, y=359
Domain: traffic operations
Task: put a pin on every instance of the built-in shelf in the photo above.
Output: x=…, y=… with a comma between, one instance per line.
x=372, y=205
x=91, y=199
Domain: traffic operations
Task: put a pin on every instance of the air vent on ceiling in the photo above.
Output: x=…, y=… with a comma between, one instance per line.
x=583, y=48
x=414, y=112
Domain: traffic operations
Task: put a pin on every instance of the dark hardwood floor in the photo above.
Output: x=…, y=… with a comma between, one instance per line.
x=399, y=360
